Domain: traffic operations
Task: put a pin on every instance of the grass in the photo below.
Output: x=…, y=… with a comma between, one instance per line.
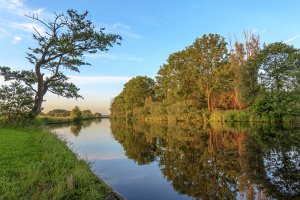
x=34, y=164
x=46, y=119
x=53, y=119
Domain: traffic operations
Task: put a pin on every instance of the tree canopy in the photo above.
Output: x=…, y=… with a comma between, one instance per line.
x=68, y=38
x=134, y=94
x=205, y=76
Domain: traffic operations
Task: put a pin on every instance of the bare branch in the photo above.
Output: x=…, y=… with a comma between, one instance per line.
x=39, y=21
x=31, y=87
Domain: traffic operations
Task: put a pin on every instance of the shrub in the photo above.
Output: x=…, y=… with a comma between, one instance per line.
x=182, y=111
x=273, y=106
x=16, y=102
x=76, y=114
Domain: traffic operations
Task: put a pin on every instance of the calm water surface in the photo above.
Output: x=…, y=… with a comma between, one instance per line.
x=151, y=160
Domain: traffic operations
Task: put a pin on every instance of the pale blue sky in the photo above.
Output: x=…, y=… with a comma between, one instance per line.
x=151, y=30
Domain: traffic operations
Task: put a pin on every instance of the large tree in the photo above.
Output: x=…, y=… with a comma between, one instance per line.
x=68, y=38
x=136, y=90
x=278, y=65
x=210, y=56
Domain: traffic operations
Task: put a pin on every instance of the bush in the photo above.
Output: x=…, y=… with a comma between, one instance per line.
x=182, y=111
x=274, y=106
x=76, y=114
x=16, y=102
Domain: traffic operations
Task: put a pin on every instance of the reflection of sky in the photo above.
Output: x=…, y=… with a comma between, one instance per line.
x=274, y=165
x=131, y=180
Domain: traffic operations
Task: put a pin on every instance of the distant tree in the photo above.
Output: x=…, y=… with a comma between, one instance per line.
x=69, y=37
x=97, y=115
x=76, y=114
x=16, y=101
x=60, y=112
x=87, y=114
x=42, y=114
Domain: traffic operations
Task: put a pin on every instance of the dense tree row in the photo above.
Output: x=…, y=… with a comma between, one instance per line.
x=206, y=76
x=75, y=113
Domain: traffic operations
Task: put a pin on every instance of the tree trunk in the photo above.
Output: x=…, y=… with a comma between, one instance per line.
x=40, y=91
x=208, y=97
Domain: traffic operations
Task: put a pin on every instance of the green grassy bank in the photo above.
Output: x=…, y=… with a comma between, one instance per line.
x=50, y=120
x=34, y=164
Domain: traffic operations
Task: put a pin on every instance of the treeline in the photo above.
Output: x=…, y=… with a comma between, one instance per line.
x=75, y=113
x=261, y=84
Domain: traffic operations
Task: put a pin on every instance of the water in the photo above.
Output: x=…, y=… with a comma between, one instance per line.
x=153, y=160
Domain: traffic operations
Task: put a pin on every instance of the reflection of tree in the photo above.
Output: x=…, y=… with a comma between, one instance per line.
x=86, y=123
x=205, y=167
x=76, y=128
x=216, y=161
x=136, y=146
x=97, y=121
x=273, y=161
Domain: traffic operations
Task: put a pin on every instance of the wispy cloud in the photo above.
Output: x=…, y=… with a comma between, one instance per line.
x=11, y=4
x=38, y=11
x=17, y=7
x=131, y=34
x=17, y=39
x=123, y=31
x=263, y=31
x=289, y=40
x=3, y=32
x=28, y=27
x=139, y=59
x=101, y=56
x=121, y=25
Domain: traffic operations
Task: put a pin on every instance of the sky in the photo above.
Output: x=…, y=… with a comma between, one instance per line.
x=151, y=31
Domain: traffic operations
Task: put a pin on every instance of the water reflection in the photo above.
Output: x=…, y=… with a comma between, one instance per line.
x=76, y=128
x=218, y=161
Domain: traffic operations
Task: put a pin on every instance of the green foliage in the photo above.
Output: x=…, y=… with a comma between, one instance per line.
x=16, y=102
x=203, y=75
x=273, y=106
x=195, y=73
x=69, y=37
x=182, y=111
x=87, y=114
x=280, y=65
x=58, y=113
x=249, y=86
x=134, y=94
x=97, y=115
x=76, y=114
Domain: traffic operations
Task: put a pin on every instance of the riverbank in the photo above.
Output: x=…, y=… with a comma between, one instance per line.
x=59, y=120
x=35, y=164
x=188, y=113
